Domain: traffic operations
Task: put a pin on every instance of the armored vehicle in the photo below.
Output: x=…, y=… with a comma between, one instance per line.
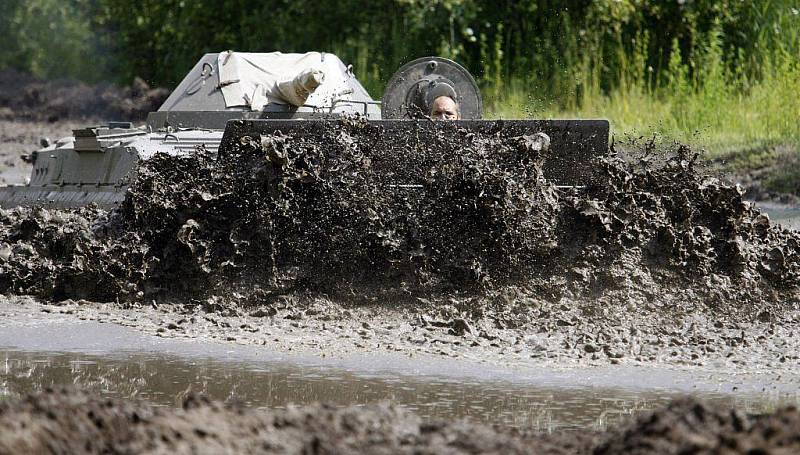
x=229, y=95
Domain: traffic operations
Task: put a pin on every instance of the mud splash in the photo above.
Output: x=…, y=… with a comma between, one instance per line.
x=293, y=211
x=71, y=421
x=468, y=220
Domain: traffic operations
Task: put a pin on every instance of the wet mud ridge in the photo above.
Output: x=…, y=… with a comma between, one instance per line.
x=463, y=226
x=66, y=421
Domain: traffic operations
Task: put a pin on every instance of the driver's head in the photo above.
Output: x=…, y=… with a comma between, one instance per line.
x=445, y=108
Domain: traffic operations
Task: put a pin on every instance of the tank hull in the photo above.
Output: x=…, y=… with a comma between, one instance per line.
x=96, y=165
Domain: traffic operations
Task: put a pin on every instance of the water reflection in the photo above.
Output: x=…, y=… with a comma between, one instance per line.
x=165, y=379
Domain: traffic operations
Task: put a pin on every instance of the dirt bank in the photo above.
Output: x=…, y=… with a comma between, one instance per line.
x=64, y=421
x=767, y=173
x=23, y=97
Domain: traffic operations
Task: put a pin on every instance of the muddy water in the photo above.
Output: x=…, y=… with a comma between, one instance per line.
x=117, y=361
x=786, y=215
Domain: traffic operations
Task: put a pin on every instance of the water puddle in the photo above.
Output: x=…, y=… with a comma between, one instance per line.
x=118, y=361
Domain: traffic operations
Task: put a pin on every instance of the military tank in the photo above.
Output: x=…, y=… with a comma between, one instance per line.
x=229, y=96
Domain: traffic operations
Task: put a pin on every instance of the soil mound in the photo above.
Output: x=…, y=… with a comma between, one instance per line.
x=65, y=421
x=351, y=214
x=23, y=97
x=689, y=426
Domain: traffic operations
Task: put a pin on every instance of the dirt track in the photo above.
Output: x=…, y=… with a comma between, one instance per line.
x=63, y=421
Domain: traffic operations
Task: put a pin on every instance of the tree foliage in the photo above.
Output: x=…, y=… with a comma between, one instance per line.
x=561, y=48
x=50, y=39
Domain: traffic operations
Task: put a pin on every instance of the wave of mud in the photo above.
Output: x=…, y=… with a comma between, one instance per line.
x=468, y=218
x=65, y=421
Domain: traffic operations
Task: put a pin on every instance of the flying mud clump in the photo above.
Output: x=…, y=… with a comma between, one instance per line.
x=352, y=210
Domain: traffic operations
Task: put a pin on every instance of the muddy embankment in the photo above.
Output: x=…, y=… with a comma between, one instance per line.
x=25, y=98
x=767, y=173
x=460, y=243
x=64, y=421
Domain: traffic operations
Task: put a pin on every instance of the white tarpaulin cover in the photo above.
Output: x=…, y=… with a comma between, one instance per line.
x=254, y=80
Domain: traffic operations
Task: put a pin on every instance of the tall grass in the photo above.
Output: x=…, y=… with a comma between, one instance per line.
x=716, y=115
x=708, y=98
x=718, y=73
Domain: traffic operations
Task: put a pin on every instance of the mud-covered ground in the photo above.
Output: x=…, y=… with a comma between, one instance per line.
x=65, y=421
x=326, y=329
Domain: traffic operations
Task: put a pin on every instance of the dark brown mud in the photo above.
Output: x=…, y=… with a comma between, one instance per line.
x=23, y=97
x=65, y=421
x=465, y=213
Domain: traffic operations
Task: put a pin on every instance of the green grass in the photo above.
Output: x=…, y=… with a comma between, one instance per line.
x=719, y=116
x=726, y=101
x=743, y=125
